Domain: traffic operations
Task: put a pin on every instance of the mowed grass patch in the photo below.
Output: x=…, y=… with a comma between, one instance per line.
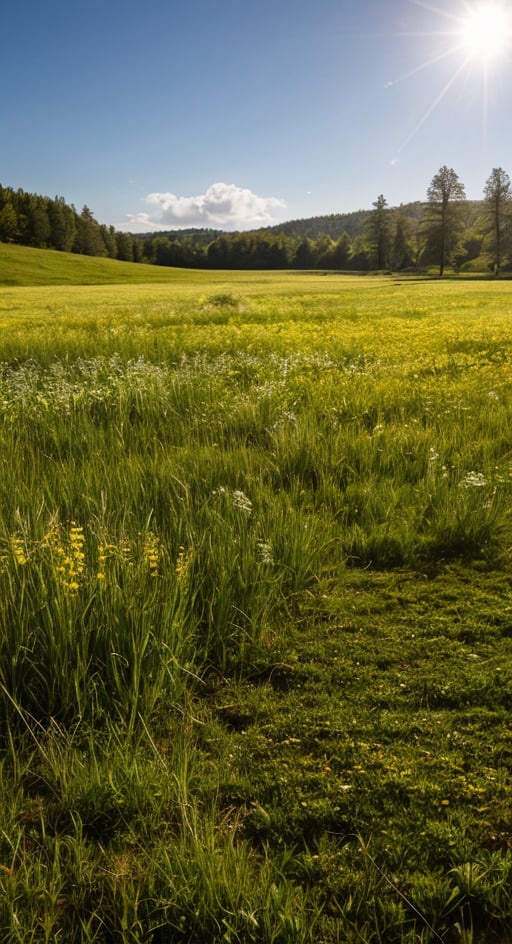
x=255, y=610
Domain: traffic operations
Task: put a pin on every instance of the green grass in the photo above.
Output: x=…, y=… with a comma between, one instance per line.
x=24, y=266
x=20, y=265
x=255, y=609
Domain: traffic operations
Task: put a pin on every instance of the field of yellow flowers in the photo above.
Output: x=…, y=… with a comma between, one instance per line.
x=256, y=611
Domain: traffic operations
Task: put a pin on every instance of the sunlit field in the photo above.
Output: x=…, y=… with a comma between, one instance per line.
x=255, y=610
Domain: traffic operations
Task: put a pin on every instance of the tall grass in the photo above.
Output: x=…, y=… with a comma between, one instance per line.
x=65, y=873
x=181, y=471
x=263, y=474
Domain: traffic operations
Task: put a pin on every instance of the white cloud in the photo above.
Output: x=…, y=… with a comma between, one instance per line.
x=137, y=223
x=223, y=206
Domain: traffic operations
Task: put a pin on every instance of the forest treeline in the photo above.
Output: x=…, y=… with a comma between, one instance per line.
x=444, y=230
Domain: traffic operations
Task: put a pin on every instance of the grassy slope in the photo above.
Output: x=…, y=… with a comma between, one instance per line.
x=20, y=265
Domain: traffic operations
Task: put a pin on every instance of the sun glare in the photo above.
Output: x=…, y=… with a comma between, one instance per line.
x=471, y=33
x=487, y=32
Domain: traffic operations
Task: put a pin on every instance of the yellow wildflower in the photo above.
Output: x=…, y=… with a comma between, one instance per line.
x=68, y=557
x=18, y=550
x=183, y=562
x=151, y=552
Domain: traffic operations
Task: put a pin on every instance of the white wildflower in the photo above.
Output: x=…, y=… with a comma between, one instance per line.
x=265, y=552
x=241, y=501
x=473, y=480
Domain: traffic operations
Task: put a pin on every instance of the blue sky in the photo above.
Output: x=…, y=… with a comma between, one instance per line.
x=234, y=114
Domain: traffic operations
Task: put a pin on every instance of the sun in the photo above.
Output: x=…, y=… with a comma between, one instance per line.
x=487, y=32
x=476, y=35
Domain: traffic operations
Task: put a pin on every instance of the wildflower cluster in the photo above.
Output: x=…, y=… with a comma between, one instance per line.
x=63, y=547
x=151, y=552
x=241, y=501
x=68, y=557
x=238, y=498
x=473, y=480
x=265, y=552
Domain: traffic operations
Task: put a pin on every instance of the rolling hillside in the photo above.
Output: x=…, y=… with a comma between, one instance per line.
x=22, y=265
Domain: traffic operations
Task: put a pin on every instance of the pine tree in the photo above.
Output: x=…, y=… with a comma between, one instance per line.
x=62, y=224
x=498, y=203
x=378, y=232
x=443, y=221
x=88, y=239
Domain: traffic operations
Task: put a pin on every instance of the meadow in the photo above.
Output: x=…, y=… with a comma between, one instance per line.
x=255, y=606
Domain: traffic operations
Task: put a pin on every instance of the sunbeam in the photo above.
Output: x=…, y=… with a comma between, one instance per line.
x=422, y=66
x=429, y=111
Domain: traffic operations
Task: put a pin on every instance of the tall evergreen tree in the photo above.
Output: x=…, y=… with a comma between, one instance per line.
x=498, y=204
x=443, y=220
x=62, y=224
x=38, y=228
x=377, y=230
x=88, y=239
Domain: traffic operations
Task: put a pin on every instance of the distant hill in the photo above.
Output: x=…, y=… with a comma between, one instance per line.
x=333, y=224
x=203, y=236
